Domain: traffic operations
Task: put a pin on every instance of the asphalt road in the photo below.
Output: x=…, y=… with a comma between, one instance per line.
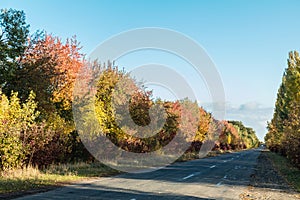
x=223, y=177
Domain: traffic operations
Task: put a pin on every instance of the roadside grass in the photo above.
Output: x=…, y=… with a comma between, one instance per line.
x=31, y=178
x=286, y=169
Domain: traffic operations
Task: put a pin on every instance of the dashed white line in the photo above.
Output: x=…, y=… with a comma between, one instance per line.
x=189, y=176
x=225, y=177
x=212, y=166
x=220, y=183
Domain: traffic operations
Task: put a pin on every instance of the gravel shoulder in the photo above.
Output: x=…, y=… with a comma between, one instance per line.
x=267, y=183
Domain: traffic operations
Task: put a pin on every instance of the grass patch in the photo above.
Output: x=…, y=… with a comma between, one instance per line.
x=31, y=178
x=286, y=169
x=95, y=169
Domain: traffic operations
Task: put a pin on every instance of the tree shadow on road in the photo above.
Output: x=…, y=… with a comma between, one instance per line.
x=92, y=191
x=229, y=169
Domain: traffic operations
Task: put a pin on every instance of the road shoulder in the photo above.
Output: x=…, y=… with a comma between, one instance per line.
x=267, y=183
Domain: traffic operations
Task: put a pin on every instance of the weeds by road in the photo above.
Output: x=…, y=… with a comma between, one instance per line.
x=31, y=179
x=290, y=173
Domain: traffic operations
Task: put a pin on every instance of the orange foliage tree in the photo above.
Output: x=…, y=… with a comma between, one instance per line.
x=49, y=68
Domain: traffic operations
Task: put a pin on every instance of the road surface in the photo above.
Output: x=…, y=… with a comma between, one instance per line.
x=223, y=177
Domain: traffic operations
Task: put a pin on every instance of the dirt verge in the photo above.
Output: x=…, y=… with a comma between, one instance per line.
x=267, y=183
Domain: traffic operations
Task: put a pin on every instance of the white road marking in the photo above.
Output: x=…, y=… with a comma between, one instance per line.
x=218, y=184
x=212, y=166
x=225, y=176
x=189, y=176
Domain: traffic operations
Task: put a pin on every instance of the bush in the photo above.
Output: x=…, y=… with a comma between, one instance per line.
x=25, y=141
x=47, y=142
x=16, y=119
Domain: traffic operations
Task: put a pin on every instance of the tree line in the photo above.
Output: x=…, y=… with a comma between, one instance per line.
x=37, y=77
x=284, y=129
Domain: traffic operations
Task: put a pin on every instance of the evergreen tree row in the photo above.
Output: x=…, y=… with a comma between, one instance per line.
x=284, y=129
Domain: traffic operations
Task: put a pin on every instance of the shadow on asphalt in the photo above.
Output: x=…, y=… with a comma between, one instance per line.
x=230, y=169
x=91, y=191
x=235, y=169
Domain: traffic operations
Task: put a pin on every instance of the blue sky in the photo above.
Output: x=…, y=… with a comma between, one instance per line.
x=248, y=40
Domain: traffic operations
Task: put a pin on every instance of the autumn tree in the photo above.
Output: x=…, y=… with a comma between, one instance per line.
x=248, y=138
x=291, y=138
x=202, y=132
x=229, y=137
x=122, y=109
x=49, y=68
x=205, y=120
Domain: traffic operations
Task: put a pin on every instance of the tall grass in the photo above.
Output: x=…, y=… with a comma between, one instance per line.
x=32, y=178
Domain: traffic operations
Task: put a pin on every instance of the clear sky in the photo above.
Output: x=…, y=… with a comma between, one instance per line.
x=248, y=40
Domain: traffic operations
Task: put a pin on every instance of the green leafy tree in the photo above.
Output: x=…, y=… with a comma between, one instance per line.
x=14, y=34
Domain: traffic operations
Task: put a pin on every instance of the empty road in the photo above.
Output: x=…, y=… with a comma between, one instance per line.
x=223, y=177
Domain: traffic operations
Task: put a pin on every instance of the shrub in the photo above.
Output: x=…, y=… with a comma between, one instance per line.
x=16, y=119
